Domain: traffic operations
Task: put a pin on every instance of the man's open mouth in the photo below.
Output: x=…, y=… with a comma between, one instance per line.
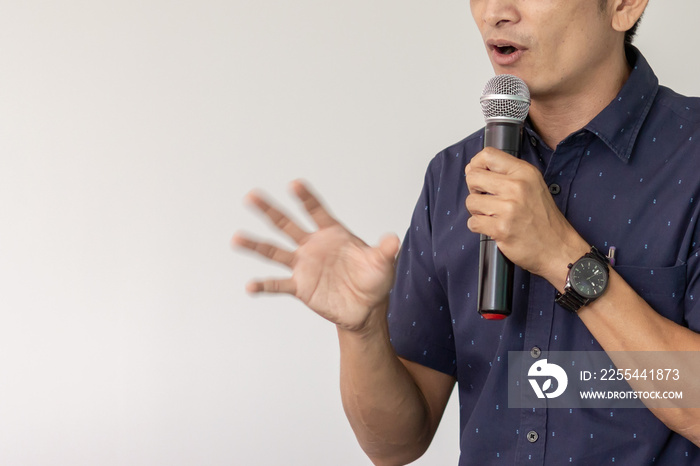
x=506, y=49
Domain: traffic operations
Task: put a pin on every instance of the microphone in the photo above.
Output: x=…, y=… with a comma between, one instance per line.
x=504, y=103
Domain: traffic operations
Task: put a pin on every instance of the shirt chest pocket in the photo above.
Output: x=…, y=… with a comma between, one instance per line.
x=663, y=288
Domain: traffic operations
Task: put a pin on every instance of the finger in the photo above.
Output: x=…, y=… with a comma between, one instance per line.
x=482, y=204
x=389, y=246
x=494, y=160
x=280, y=220
x=492, y=226
x=267, y=250
x=481, y=224
x=313, y=206
x=272, y=285
x=481, y=181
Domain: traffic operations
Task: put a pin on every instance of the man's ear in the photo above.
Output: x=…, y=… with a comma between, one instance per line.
x=626, y=13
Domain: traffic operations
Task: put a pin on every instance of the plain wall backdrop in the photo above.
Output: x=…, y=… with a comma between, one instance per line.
x=130, y=132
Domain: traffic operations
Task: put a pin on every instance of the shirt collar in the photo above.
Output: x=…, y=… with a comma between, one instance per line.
x=619, y=123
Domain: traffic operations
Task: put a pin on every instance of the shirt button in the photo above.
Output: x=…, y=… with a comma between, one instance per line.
x=554, y=189
x=533, y=141
x=532, y=436
x=535, y=352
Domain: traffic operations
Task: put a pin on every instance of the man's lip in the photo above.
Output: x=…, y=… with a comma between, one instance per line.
x=503, y=59
x=494, y=43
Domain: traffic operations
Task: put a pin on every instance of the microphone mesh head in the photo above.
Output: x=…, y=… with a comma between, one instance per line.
x=505, y=97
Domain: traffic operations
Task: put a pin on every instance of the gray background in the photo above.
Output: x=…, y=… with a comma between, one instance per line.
x=130, y=132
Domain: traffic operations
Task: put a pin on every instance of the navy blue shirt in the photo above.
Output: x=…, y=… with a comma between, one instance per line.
x=629, y=179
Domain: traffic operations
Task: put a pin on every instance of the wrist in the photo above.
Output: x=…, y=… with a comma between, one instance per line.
x=374, y=325
x=558, y=265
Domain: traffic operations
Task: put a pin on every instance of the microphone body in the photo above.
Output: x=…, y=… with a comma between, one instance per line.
x=505, y=103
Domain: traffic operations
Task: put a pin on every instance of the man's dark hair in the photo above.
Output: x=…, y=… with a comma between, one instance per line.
x=629, y=35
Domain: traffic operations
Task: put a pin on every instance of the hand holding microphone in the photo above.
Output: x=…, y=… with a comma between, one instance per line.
x=505, y=103
x=511, y=205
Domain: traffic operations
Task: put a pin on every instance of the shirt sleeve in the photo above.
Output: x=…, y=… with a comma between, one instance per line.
x=420, y=324
x=691, y=314
x=692, y=292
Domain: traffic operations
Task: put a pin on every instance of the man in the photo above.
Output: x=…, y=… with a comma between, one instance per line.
x=606, y=162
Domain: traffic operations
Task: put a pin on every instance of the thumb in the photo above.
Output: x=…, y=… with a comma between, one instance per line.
x=389, y=246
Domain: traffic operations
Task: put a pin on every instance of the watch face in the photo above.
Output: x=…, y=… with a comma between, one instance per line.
x=588, y=278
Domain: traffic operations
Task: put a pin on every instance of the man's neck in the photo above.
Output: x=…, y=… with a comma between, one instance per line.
x=555, y=117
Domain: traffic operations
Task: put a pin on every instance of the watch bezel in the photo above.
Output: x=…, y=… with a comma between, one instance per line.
x=576, y=281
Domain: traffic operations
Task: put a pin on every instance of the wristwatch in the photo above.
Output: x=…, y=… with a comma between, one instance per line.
x=586, y=281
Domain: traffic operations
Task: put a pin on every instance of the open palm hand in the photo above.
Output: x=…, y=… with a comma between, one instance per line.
x=334, y=272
